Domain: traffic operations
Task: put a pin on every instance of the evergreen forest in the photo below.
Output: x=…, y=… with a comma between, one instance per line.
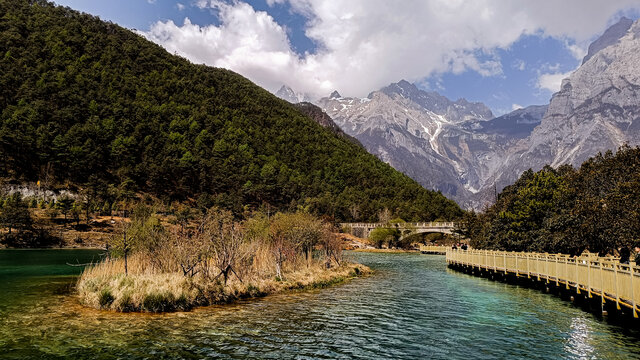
x=566, y=210
x=87, y=105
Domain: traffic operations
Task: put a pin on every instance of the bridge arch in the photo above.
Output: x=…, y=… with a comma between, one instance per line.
x=365, y=229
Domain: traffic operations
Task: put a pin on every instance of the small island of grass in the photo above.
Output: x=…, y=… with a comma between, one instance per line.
x=216, y=260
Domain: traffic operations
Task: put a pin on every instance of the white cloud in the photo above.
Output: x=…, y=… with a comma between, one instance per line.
x=516, y=107
x=365, y=44
x=273, y=2
x=552, y=81
x=180, y=6
x=578, y=51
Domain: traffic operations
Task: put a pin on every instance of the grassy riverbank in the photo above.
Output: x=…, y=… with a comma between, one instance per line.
x=105, y=286
x=216, y=260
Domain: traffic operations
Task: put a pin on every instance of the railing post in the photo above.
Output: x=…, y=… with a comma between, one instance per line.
x=486, y=259
x=556, y=271
x=495, y=264
x=577, y=276
x=566, y=272
x=633, y=293
x=504, y=258
x=601, y=281
x=615, y=277
x=589, y=277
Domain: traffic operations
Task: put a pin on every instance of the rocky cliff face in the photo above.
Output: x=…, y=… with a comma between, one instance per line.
x=609, y=37
x=451, y=146
x=597, y=109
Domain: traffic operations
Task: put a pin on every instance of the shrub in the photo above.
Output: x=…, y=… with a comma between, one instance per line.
x=105, y=298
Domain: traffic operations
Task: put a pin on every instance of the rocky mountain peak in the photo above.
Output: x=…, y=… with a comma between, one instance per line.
x=611, y=36
x=460, y=110
x=335, y=95
x=288, y=94
x=402, y=88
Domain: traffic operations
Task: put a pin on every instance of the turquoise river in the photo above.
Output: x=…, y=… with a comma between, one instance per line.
x=413, y=307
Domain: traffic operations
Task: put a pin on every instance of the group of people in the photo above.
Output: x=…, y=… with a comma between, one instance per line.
x=461, y=246
x=625, y=255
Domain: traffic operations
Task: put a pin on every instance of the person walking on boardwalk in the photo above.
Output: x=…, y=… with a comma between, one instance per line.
x=625, y=254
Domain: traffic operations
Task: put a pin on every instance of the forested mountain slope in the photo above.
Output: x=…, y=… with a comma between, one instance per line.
x=84, y=101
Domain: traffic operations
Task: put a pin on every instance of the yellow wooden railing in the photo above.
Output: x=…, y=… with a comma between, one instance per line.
x=400, y=225
x=433, y=249
x=600, y=276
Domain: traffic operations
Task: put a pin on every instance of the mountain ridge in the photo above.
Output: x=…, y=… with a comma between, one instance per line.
x=436, y=141
x=459, y=148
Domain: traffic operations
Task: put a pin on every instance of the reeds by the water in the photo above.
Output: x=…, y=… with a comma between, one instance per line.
x=219, y=261
x=105, y=285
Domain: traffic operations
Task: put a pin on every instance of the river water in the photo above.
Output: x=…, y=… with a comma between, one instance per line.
x=412, y=307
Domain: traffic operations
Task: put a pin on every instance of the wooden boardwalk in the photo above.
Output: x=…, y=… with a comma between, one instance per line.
x=433, y=249
x=590, y=275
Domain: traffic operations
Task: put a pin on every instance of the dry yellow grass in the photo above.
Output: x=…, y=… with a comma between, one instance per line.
x=105, y=285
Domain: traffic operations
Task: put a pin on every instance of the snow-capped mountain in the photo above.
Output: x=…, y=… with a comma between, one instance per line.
x=287, y=93
x=438, y=142
x=459, y=148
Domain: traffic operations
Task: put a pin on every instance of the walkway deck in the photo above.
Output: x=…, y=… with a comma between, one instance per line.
x=433, y=249
x=590, y=275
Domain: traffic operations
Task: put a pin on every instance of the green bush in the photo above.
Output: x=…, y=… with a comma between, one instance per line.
x=384, y=236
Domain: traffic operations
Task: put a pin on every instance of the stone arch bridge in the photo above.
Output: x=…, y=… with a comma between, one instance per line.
x=407, y=229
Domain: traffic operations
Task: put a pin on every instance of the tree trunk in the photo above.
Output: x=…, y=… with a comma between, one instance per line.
x=126, y=267
x=279, y=269
x=225, y=274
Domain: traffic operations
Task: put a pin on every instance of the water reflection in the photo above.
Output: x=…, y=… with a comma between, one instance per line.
x=579, y=341
x=411, y=308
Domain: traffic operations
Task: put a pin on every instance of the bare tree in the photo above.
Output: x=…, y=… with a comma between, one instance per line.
x=354, y=210
x=280, y=241
x=305, y=231
x=224, y=242
x=332, y=245
x=186, y=250
x=384, y=216
x=122, y=245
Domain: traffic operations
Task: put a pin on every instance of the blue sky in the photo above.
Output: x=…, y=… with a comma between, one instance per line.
x=505, y=54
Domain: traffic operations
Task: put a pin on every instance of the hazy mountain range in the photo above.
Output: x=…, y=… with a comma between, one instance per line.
x=461, y=149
